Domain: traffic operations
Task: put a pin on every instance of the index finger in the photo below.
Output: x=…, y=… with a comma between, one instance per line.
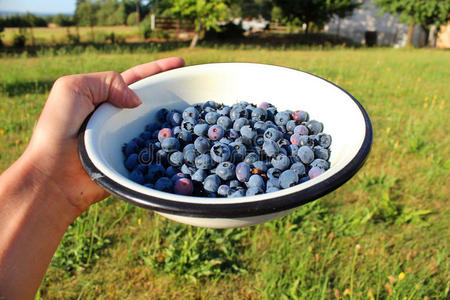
x=142, y=71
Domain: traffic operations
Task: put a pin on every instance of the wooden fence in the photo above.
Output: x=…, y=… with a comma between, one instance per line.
x=166, y=23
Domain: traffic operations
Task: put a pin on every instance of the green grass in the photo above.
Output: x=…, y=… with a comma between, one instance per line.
x=383, y=235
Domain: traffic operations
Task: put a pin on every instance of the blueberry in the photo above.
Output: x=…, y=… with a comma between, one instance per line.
x=272, y=189
x=164, y=184
x=300, y=116
x=177, y=176
x=288, y=178
x=199, y=175
x=176, y=159
x=314, y=127
x=174, y=118
x=314, y=172
x=248, y=132
x=320, y=152
x=237, y=125
x=225, y=170
x=149, y=185
x=146, y=135
x=306, y=140
x=224, y=111
x=210, y=104
x=254, y=191
x=216, y=132
x=170, y=144
x=243, y=172
x=154, y=171
x=273, y=134
x=161, y=157
x=234, y=184
x=236, y=194
x=244, y=141
x=220, y=152
x=238, y=152
x=189, y=157
x=259, y=167
x=271, y=148
x=264, y=105
x=320, y=163
x=251, y=158
x=301, y=130
x=255, y=181
x=176, y=130
x=292, y=150
x=203, y=161
x=290, y=125
x=281, y=162
x=201, y=129
x=188, y=124
x=188, y=170
x=225, y=122
x=273, y=173
x=232, y=134
x=202, y=144
x=161, y=115
x=282, y=118
x=259, y=114
x=323, y=139
x=211, y=117
x=260, y=127
x=130, y=148
x=137, y=176
x=223, y=190
x=238, y=112
x=295, y=139
x=225, y=140
x=305, y=154
x=283, y=142
x=298, y=168
x=184, y=136
x=303, y=179
x=183, y=186
x=170, y=171
x=273, y=182
x=211, y=183
x=190, y=112
x=132, y=161
x=152, y=127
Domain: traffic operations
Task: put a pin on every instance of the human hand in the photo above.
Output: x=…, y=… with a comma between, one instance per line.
x=53, y=148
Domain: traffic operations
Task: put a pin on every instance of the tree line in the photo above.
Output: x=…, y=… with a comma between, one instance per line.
x=206, y=13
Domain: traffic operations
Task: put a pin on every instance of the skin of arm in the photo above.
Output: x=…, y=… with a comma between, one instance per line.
x=46, y=189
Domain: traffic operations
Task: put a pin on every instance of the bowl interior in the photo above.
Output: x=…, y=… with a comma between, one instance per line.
x=109, y=127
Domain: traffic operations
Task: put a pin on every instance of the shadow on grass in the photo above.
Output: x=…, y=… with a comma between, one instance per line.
x=255, y=41
x=28, y=87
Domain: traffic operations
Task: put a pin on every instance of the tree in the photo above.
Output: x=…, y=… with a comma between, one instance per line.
x=86, y=13
x=203, y=13
x=317, y=12
x=63, y=20
x=424, y=13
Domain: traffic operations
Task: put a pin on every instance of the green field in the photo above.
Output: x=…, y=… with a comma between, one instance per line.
x=383, y=235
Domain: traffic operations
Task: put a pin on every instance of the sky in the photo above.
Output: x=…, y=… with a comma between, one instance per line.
x=39, y=6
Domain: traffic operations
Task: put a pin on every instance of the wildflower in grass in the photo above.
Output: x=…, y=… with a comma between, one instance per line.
x=388, y=130
x=401, y=276
x=337, y=294
x=347, y=292
x=392, y=279
x=425, y=105
x=2, y=132
x=139, y=221
x=388, y=288
x=441, y=105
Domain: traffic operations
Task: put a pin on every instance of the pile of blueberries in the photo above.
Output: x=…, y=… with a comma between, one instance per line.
x=215, y=150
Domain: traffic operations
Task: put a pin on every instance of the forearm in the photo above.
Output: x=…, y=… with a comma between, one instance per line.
x=33, y=219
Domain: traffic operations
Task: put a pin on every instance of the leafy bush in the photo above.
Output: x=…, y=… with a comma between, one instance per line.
x=19, y=40
x=131, y=19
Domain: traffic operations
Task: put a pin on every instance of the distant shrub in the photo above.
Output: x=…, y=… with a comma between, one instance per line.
x=19, y=40
x=131, y=19
x=227, y=31
x=146, y=29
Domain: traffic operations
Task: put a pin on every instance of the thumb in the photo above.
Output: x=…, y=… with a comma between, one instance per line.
x=74, y=97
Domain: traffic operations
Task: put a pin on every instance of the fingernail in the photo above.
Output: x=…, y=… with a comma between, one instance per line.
x=134, y=97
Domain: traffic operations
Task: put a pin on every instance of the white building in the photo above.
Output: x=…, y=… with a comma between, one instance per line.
x=367, y=18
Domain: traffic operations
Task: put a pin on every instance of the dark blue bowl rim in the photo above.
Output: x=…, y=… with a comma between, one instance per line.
x=232, y=210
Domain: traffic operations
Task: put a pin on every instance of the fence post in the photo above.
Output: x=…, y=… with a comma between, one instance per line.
x=152, y=22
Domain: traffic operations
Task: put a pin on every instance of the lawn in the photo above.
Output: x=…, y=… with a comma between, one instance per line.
x=383, y=235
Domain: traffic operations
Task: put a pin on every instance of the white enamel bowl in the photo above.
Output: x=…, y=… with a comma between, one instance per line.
x=344, y=118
